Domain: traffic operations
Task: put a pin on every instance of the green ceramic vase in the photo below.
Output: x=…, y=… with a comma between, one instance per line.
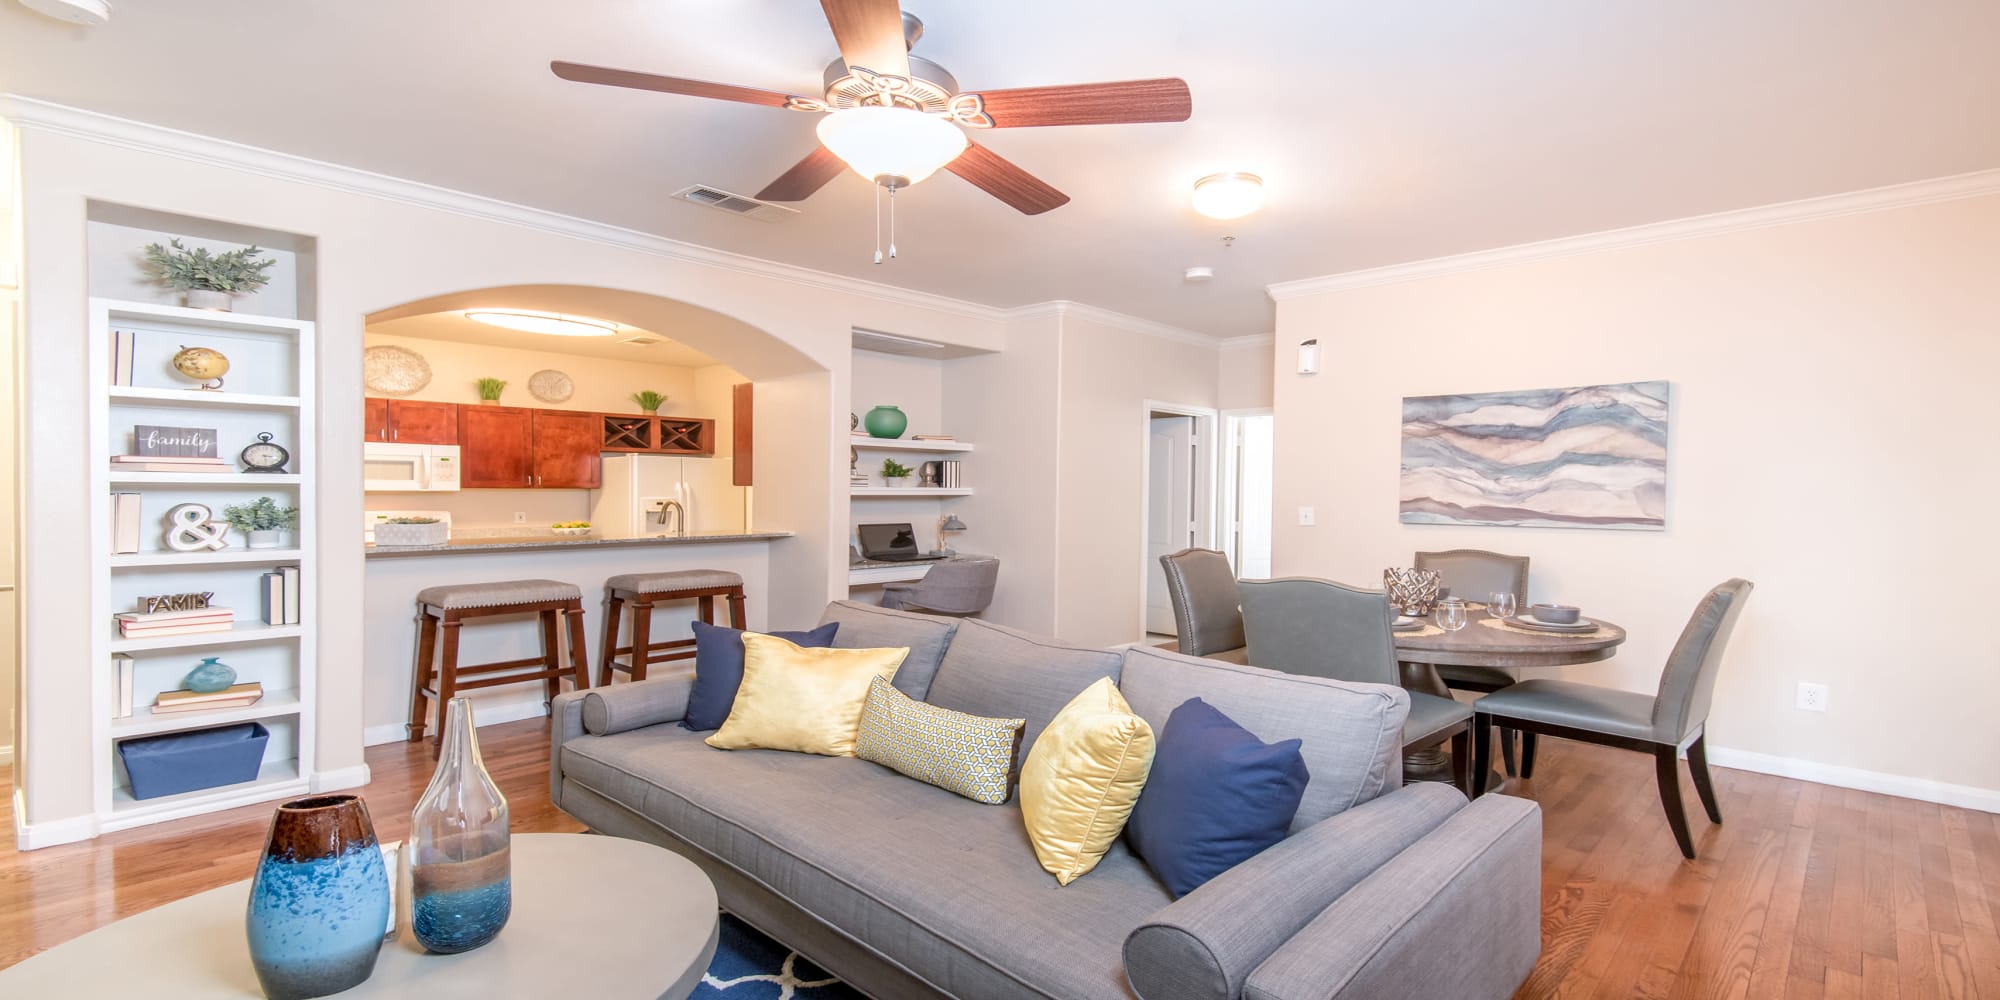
x=886, y=422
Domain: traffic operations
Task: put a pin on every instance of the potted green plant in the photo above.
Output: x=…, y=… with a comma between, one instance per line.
x=262, y=521
x=894, y=474
x=489, y=389
x=649, y=400
x=206, y=280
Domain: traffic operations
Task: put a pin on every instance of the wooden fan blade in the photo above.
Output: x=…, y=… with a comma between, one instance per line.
x=1126, y=101
x=870, y=34
x=667, y=84
x=805, y=177
x=994, y=174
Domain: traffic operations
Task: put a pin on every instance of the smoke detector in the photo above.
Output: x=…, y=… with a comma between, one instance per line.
x=89, y=13
x=1198, y=274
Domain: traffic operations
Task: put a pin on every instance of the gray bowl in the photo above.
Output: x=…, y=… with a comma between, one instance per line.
x=1554, y=614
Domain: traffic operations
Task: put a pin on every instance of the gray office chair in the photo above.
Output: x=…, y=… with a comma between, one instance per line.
x=1202, y=589
x=1472, y=574
x=1660, y=724
x=1324, y=629
x=960, y=588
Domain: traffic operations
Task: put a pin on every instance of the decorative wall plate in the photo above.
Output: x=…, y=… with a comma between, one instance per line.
x=394, y=371
x=551, y=386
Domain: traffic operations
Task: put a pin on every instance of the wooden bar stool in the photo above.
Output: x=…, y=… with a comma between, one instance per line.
x=645, y=590
x=445, y=608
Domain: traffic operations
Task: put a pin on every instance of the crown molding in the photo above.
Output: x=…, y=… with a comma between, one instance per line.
x=1067, y=308
x=1972, y=185
x=37, y=115
x=1253, y=340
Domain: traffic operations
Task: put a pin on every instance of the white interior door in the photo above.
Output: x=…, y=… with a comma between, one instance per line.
x=1169, y=510
x=1252, y=496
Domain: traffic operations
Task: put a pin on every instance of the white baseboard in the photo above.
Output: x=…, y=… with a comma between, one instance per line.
x=30, y=836
x=487, y=713
x=346, y=777
x=1921, y=789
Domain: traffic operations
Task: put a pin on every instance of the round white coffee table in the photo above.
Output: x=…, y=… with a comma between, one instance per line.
x=593, y=917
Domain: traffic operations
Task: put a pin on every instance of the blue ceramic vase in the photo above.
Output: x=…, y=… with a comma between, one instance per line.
x=886, y=422
x=320, y=901
x=461, y=886
x=209, y=676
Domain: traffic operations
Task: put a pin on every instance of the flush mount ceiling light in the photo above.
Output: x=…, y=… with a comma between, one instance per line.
x=552, y=324
x=1229, y=195
x=894, y=147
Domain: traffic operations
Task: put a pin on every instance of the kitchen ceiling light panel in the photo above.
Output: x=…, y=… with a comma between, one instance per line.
x=552, y=324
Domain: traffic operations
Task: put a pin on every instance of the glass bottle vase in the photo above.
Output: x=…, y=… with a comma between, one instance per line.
x=459, y=886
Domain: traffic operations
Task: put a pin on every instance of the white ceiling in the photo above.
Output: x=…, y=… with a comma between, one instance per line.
x=1387, y=132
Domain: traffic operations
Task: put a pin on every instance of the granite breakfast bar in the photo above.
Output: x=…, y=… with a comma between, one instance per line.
x=395, y=574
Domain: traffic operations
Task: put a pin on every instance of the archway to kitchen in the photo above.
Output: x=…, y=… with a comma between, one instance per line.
x=565, y=442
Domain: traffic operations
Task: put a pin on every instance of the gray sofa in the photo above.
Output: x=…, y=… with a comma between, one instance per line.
x=906, y=890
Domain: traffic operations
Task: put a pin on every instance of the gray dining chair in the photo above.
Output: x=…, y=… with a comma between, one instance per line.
x=1661, y=724
x=960, y=588
x=1320, y=628
x=1472, y=574
x=1202, y=589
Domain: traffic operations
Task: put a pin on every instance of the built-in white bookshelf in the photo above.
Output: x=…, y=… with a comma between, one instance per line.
x=872, y=465
x=268, y=389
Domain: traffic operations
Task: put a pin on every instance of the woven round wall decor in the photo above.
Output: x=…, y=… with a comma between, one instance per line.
x=394, y=371
x=551, y=386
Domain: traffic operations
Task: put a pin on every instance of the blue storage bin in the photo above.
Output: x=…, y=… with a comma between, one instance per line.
x=190, y=761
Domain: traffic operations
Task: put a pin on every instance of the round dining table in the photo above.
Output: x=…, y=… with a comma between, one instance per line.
x=1486, y=641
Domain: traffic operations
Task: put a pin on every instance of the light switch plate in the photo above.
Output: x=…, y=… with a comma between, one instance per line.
x=1306, y=517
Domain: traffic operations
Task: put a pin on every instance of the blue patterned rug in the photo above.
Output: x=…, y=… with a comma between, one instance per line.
x=750, y=966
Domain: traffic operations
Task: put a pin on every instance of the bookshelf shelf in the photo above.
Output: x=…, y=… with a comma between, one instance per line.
x=904, y=444
x=116, y=478
x=149, y=396
x=864, y=492
x=144, y=723
x=277, y=779
x=226, y=557
x=244, y=632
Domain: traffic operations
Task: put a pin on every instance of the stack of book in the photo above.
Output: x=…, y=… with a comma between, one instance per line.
x=280, y=591
x=124, y=345
x=233, y=696
x=933, y=437
x=124, y=664
x=146, y=463
x=146, y=625
x=949, y=476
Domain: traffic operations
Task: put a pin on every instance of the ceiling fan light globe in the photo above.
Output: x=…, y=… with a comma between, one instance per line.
x=1228, y=196
x=880, y=142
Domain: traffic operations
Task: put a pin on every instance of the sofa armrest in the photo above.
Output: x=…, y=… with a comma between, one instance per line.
x=623, y=707
x=565, y=724
x=1458, y=914
x=1204, y=945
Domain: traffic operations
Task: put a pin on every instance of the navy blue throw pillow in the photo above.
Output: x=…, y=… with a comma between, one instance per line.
x=1216, y=796
x=718, y=669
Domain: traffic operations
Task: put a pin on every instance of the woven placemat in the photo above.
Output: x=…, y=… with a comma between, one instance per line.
x=1504, y=626
x=1418, y=633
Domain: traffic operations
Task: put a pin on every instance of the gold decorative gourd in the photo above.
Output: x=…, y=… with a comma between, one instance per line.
x=203, y=364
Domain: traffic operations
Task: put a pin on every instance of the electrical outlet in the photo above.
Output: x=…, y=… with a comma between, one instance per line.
x=520, y=517
x=1812, y=697
x=1306, y=519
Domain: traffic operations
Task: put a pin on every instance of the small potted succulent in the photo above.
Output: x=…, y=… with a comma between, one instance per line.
x=490, y=389
x=412, y=531
x=262, y=521
x=576, y=528
x=208, y=280
x=895, y=475
x=649, y=401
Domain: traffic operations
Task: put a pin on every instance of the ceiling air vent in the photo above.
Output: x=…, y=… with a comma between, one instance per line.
x=735, y=204
x=642, y=341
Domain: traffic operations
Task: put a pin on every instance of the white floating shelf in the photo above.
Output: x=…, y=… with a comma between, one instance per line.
x=905, y=444
x=230, y=556
x=221, y=322
x=118, y=478
x=244, y=632
x=277, y=779
x=144, y=723
x=860, y=492
x=150, y=396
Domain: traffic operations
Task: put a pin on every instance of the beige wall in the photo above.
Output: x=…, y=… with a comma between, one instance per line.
x=1832, y=402
x=10, y=313
x=1243, y=375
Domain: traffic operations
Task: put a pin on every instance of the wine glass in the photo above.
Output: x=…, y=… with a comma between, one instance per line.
x=1500, y=605
x=1451, y=615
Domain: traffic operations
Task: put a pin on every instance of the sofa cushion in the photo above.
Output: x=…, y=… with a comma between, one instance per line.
x=999, y=672
x=1081, y=780
x=1351, y=735
x=718, y=669
x=1217, y=795
x=835, y=835
x=961, y=753
x=866, y=626
x=808, y=700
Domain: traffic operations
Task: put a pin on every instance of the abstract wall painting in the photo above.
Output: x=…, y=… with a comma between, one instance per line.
x=1584, y=457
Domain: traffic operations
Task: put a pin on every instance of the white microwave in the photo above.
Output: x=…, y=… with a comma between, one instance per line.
x=409, y=468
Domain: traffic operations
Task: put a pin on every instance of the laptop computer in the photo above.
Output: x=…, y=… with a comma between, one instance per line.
x=891, y=543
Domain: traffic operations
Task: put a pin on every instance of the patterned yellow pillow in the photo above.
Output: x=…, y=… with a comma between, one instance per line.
x=960, y=753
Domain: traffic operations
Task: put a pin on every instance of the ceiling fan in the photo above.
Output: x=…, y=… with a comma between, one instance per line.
x=896, y=118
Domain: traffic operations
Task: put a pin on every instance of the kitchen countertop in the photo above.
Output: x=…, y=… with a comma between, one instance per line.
x=531, y=543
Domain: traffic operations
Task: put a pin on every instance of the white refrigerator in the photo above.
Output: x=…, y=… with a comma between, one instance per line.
x=637, y=487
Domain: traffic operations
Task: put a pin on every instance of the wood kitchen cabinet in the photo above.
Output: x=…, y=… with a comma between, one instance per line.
x=496, y=447
x=409, y=421
x=566, y=450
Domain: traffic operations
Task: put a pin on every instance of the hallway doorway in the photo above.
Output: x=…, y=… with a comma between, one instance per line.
x=1179, y=502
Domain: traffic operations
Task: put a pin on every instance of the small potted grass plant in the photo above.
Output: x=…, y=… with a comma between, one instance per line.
x=490, y=389
x=895, y=475
x=262, y=521
x=208, y=280
x=649, y=401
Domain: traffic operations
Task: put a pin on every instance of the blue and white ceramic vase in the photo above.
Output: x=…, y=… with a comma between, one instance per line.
x=886, y=422
x=461, y=892
x=320, y=899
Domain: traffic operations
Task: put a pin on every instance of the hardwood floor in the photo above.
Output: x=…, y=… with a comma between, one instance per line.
x=1807, y=891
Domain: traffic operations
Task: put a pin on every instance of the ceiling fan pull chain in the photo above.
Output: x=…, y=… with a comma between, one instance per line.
x=892, y=223
x=878, y=224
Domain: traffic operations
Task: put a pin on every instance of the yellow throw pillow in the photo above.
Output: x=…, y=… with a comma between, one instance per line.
x=1082, y=778
x=808, y=700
